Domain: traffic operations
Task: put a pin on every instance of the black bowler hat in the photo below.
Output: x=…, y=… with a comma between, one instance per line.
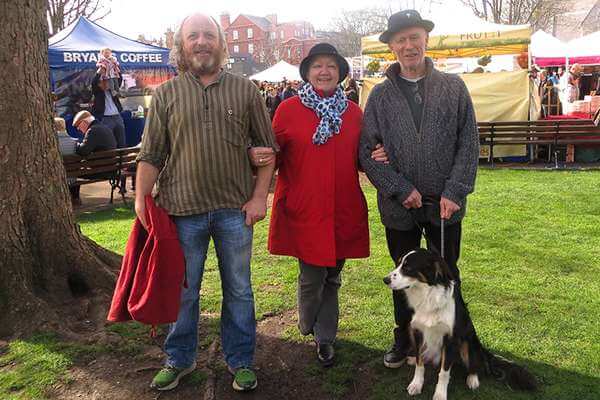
x=404, y=19
x=320, y=49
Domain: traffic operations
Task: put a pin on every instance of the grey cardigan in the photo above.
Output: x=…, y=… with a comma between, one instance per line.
x=438, y=160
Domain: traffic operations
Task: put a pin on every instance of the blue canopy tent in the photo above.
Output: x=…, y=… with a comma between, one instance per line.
x=72, y=56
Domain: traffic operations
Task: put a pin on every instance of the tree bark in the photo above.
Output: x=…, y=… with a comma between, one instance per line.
x=45, y=261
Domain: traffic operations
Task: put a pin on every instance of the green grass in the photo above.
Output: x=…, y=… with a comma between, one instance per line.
x=30, y=366
x=530, y=264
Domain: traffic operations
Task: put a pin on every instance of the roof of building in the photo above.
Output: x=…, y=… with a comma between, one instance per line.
x=262, y=22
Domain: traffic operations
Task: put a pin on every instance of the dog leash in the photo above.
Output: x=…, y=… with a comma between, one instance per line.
x=429, y=201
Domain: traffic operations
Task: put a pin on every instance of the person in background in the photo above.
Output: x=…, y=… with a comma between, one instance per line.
x=273, y=101
x=288, y=92
x=107, y=109
x=351, y=91
x=109, y=70
x=97, y=137
x=569, y=87
x=67, y=146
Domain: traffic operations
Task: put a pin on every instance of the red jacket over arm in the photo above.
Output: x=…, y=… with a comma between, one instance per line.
x=152, y=273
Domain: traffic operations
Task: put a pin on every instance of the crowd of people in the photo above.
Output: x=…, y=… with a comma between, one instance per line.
x=276, y=92
x=560, y=87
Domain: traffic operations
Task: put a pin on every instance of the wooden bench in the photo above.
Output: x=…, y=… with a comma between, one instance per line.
x=110, y=165
x=551, y=133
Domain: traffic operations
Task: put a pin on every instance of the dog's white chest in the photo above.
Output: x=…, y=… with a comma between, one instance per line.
x=434, y=317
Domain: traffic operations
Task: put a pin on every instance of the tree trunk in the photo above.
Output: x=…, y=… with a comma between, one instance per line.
x=46, y=264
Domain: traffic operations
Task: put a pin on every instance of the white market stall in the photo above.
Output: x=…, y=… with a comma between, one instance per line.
x=546, y=50
x=278, y=73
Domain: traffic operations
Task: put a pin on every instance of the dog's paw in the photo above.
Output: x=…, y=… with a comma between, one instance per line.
x=439, y=395
x=473, y=381
x=415, y=387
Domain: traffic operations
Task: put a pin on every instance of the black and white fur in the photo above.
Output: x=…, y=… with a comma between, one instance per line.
x=441, y=329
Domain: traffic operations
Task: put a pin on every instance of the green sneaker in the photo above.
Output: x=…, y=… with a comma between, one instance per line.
x=244, y=379
x=168, y=377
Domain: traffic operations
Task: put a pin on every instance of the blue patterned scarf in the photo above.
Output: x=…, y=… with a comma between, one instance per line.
x=329, y=110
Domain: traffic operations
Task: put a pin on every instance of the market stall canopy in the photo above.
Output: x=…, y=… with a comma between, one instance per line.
x=78, y=45
x=278, y=72
x=585, y=50
x=466, y=37
x=546, y=50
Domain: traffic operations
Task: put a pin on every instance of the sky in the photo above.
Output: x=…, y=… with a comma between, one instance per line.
x=152, y=17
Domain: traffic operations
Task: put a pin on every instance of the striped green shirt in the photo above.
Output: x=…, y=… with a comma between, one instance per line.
x=198, y=137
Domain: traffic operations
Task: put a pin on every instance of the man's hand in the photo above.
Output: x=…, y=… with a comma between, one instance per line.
x=379, y=154
x=255, y=209
x=447, y=208
x=140, y=211
x=413, y=200
x=261, y=156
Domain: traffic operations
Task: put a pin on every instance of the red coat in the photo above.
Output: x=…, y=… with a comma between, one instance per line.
x=152, y=273
x=319, y=212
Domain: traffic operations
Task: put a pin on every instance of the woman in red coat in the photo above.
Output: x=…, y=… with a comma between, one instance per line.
x=319, y=212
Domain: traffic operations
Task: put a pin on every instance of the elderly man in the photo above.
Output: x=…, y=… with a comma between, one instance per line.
x=426, y=122
x=195, y=148
x=96, y=137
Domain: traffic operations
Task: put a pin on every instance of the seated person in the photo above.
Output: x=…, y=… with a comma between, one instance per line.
x=97, y=137
x=67, y=146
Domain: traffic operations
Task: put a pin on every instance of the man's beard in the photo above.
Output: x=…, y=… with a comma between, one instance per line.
x=204, y=67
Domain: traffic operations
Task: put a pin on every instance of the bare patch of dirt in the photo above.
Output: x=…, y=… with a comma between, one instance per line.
x=283, y=370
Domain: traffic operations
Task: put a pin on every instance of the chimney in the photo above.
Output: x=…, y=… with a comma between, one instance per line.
x=273, y=19
x=225, y=21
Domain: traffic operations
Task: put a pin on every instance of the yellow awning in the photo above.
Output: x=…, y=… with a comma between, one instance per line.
x=480, y=39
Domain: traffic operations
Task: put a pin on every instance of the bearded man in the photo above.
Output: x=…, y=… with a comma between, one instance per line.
x=194, y=149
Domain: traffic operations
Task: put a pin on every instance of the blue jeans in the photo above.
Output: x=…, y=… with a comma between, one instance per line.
x=233, y=245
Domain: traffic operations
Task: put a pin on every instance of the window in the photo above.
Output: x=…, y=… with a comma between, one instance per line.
x=289, y=52
x=236, y=48
x=235, y=35
x=273, y=35
x=281, y=34
x=250, y=33
x=250, y=48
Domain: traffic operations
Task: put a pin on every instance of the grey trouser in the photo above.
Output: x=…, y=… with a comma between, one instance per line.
x=318, y=307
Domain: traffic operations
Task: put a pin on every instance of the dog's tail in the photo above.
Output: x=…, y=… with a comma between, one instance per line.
x=516, y=376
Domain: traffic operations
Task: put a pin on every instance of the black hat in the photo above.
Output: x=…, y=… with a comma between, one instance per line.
x=404, y=19
x=324, y=49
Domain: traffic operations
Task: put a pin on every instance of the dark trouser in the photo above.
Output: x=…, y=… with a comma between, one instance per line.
x=402, y=242
x=318, y=307
x=117, y=126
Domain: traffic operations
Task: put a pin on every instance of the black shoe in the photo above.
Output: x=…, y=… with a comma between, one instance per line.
x=395, y=357
x=325, y=354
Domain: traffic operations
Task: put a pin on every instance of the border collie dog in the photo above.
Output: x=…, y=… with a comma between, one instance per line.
x=441, y=329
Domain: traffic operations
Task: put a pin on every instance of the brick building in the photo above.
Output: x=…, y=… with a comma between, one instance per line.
x=262, y=41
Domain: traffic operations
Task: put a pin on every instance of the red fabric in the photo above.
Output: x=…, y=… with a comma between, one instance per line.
x=574, y=115
x=319, y=211
x=153, y=270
